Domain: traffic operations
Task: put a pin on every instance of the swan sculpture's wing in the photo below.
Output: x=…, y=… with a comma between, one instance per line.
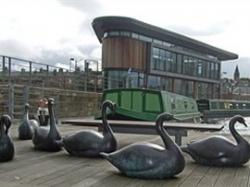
x=40, y=135
x=136, y=157
x=6, y=148
x=84, y=140
x=210, y=148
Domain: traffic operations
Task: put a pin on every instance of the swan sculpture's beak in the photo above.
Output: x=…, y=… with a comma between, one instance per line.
x=244, y=123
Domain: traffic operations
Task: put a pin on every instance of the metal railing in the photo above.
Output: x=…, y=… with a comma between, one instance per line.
x=29, y=73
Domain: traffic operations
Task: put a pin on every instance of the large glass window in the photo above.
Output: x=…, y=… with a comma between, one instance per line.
x=208, y=70
x=178, y=86
x=184, y=87
x=154, y=82
x=204, y=90
x=163, y=60
x=166, y=84
x=125, y=33
x=145, y=38
x=123, y=79
x=217, y=71
x=116, y=79
x=185, y=65
x=212, y=70
x=179, y=63
x=156, y=59
x=199, y=68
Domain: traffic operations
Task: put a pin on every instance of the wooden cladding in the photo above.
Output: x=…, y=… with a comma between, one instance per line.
x=124, y=53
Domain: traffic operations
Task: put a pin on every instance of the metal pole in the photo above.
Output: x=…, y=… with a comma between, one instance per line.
x=9, y=73
x=47, y=77
x=11, y=101
x=30, y=72
x=85, y=75
x=3, y=67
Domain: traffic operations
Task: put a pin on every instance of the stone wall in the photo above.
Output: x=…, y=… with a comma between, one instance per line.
x=68, y=103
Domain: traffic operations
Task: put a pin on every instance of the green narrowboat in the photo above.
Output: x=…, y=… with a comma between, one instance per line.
x=219, y=108
x=146, y=104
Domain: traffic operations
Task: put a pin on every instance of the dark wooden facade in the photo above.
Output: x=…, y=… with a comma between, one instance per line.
x=124, y=53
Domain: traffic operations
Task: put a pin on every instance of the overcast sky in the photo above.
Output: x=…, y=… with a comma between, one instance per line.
x=53, y=31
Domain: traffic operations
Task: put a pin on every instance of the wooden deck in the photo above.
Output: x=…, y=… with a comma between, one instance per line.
x=34, y=168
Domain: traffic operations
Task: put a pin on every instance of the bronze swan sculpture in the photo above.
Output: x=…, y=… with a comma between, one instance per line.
x=48, y=139
x=89, y=143
x=26, y=128
x=147, y=160
x=220, y=151
x=7, y=149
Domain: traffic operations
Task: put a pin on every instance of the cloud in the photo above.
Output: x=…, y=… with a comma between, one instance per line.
x=207, y=30
x=87, y=7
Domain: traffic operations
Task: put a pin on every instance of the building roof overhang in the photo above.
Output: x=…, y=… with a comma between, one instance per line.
x=109, y=23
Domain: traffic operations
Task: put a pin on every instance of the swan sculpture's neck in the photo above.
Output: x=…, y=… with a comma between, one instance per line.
x=168, y=142
x=6, y=123
x=52, y=117
x=2, y=130
x=26, y=113
x=239, y=139
x=106, y=127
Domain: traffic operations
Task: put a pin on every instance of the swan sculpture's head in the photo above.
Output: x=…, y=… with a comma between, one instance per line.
x=110, y=105
x=6, y=120
x=165, y=117
x=26, y=106
x=240, y=119
x=51, y=101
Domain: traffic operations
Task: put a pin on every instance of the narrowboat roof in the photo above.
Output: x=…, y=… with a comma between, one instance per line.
x=109, y=23
x=137, y=89
x=226, y=100
x=162, y=92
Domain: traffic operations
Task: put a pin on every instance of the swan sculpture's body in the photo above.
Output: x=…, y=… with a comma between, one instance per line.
x=48, y=139
x=7, y=150
x=26, y=129
x=90, y=143
x=219, y=151
x=148, y=160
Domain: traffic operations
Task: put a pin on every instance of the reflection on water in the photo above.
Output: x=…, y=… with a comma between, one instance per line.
x=239, y=127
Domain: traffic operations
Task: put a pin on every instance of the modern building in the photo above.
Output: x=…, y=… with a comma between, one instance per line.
x=137, y=54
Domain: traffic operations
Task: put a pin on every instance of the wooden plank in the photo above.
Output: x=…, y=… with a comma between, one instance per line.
x=241, y=176
x=210, y=178
x=226, y=177
x=195, y=177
